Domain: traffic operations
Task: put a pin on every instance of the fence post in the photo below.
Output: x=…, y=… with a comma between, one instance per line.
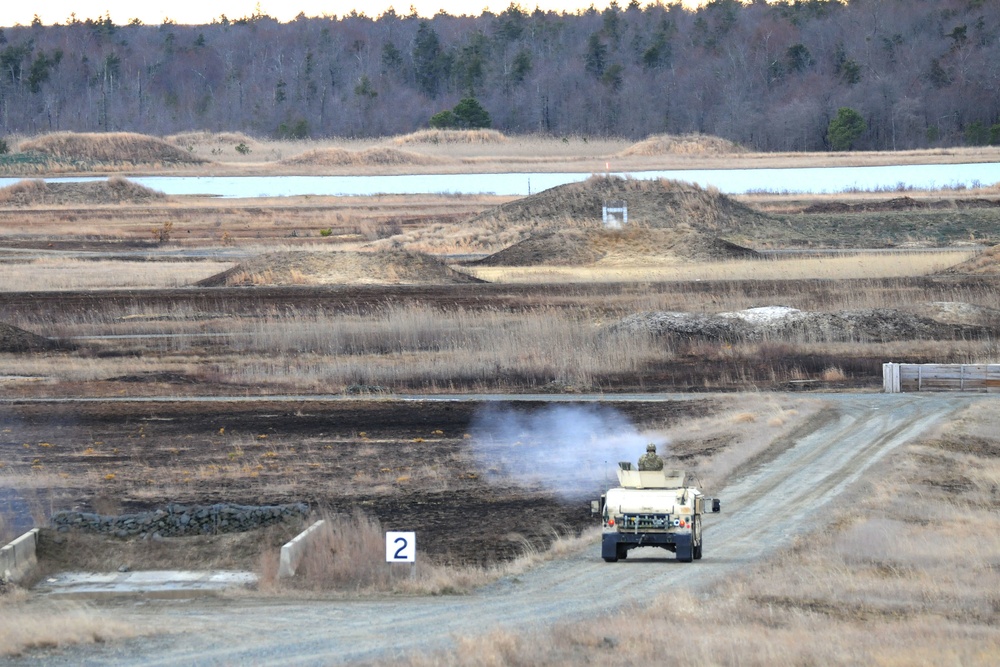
x=890, y=378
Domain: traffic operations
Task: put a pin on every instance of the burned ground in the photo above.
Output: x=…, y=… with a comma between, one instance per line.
x=409, y=464
x=392, y=267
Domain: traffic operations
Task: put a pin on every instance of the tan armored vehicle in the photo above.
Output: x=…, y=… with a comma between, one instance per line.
x=652, y=508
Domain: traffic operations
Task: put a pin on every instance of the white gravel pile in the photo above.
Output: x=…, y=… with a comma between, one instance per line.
x=785, y=323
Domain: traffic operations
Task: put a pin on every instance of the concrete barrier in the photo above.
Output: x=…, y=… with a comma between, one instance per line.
x=18, y=558
x=292, y=552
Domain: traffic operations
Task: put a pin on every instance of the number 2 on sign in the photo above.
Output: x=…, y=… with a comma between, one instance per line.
x=400, y=547
x=401, y=541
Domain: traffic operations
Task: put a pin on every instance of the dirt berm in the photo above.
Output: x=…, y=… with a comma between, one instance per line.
x=387, y=267
x=784, y=323
x=13, y=339
x=666, y=219
x=115, y=190
x=986, y=263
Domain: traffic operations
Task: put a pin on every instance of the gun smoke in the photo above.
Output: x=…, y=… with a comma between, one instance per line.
x=571, y=450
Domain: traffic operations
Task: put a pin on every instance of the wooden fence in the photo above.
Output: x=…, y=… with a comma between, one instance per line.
x=898, y=378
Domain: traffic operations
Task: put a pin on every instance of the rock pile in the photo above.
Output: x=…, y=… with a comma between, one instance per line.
x=181, y=520
x=783, y=323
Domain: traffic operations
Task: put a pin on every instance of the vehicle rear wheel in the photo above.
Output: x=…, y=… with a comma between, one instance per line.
x=622, y=552
x=611, y=559
x=697, y=538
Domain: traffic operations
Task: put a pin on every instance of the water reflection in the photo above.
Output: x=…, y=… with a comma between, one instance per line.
x=730, y=181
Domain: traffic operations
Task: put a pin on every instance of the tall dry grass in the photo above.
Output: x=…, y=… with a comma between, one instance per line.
x=416, y=347
x=25, y=627
x=397, y=345
x=28, y=190
x=348, y=556
x=479, y=137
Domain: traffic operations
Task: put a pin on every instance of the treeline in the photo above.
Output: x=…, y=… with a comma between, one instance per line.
x=771, y=76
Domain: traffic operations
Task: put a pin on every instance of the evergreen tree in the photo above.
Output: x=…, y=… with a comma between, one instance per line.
x=845, y=129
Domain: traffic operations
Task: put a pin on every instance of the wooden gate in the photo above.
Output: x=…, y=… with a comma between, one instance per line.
x=898, y=378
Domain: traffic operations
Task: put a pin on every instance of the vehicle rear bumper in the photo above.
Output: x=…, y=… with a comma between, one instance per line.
x=678, y=542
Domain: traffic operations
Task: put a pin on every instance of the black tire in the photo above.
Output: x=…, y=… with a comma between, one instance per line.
x=611, y=559
x=622, y=552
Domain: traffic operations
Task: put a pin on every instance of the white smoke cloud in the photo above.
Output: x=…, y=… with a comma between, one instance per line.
x=572, y=450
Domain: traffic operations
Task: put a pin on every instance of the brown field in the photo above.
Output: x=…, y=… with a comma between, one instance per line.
x=327, y=296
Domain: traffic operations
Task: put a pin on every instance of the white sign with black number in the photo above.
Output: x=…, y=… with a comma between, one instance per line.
x=400, y=547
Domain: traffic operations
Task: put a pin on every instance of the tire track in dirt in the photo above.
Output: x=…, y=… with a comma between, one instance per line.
x=763, y=510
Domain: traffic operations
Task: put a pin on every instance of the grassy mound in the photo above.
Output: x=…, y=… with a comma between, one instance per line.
x=378, y=156
x=667, y=219
x=388, y=267
x=451, y=137
x=682, y=144
x=651, y=204
x=580, y=247
x=109, y=147
x=986, y=263
x=115, y=190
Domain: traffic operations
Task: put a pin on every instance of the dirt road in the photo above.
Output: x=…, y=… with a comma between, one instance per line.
x=763, y=509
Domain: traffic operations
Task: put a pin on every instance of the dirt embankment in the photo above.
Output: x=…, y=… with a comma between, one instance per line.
x=15, y=340
x=666, y=219
x=942, y=320
x=986, y=263
x=109, y=147
x=378, y=156
x=900, y=204
x=683, y=144
x=115, y=190
x=388, y=267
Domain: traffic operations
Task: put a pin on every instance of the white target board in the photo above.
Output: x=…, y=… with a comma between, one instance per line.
x=400, y=547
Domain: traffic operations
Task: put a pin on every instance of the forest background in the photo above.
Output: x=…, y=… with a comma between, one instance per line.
x=771, y=76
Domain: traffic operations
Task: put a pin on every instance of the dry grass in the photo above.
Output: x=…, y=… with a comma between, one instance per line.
x=116, y=190
x=478, y=137
x=684, y=144
x=29, y=191
x=382, y=155
x=838, y=267
x=906, y=576
x=26, y=627
x=984, y=263
x=348, y=556
x=487, y=347
x=188, y=140
x=74, y=274
x=109, y=147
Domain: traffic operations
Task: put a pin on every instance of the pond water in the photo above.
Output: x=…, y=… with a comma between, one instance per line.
x=730, y=181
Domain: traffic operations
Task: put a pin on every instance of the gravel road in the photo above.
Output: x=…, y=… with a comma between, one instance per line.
x=792, y=489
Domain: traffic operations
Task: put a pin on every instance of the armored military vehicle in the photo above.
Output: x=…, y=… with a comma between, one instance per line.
x=652, y=508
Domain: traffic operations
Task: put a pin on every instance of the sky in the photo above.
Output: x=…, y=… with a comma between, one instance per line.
x=203, y=11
